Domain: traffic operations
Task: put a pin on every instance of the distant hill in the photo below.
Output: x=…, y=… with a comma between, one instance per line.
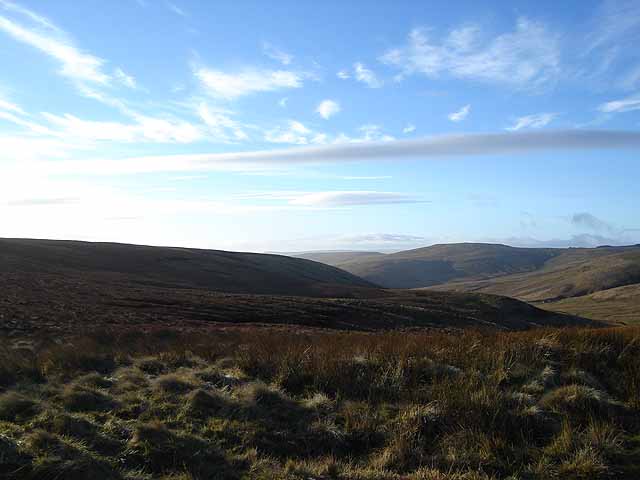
x=338, y=257
x=64, y=286
x=532, y=274
x=620, y=304
x=571, y=273
x=437, y=264
x=218, y=270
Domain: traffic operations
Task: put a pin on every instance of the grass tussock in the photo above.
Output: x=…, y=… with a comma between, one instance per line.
x=258, y=404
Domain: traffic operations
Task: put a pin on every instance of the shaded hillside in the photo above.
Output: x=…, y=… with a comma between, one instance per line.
x=66, y=303
x=336, y=258
x=621, y=304
x=178, y=267
x=437, y=264
x=572, y=273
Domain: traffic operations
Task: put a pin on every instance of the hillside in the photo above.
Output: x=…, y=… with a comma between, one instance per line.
x=572, y=273
x=336, y=258
x=621, y=304
x=437, y=264
x=531, y=274
x=70, y=286
x=223, y=271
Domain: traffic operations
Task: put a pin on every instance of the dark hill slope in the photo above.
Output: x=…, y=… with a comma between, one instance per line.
x=179, y=267
x=71, y=286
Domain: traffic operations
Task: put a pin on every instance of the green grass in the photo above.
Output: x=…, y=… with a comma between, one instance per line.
x=263, y=404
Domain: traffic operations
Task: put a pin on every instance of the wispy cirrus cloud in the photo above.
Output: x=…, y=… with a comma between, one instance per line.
x=353, y=198
x=124, y=78
x=276, y=54
x=460, y=114
x=10, y=106
x=627, y=104
x=75, y=64
x=176, y=9
x=231, y=86
x=366, y=76
x=361, y=73
x=528, y=57
x=537, y=120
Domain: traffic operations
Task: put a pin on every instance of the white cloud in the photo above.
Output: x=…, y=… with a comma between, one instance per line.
x=76, y=64
x=176, y=9
x=537, y=120
x=283, y=102
x=276, y=54
x=328, y=108
x=234, y=85
x=619, y=106
x=343, y=74
x=369, y=133
x=410, y=128
x=366, y=76
x=460, y=114
x=146, y=129
x=528, y=57
x=295, y=133
x=221, y=125
x=125, y=79
x=9, y=106
x=351, y=198
x=39, y=19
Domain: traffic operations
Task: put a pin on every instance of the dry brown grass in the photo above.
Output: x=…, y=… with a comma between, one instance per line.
x=266, y=404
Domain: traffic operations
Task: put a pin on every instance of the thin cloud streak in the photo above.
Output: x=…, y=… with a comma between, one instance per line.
x=429, y=148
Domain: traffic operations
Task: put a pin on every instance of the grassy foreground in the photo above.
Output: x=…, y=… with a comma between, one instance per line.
x=267, y=404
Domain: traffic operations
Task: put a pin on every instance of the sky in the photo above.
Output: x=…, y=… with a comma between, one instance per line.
x=300, y=125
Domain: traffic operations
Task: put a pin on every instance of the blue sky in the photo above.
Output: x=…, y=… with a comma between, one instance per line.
x=295, y=126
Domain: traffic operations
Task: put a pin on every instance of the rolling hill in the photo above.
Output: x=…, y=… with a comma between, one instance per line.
x=620, y=305
x=70, y=286
x=532, y=274
x=218, y=270
x=437, y=264
x=572, y=273
x=336, y=258
x=579, y=281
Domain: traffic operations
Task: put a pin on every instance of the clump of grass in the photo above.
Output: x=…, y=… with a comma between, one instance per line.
x=12, y=459
x=173, y=383
x=202, y=403
x=15, y=407
x=258, y=394
x=156, y=449
x=577, y=399
x=93, y=380
x=151, y=366
x=76, y=398
x=128, y=379
x=62, y=423
x=58, y=458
